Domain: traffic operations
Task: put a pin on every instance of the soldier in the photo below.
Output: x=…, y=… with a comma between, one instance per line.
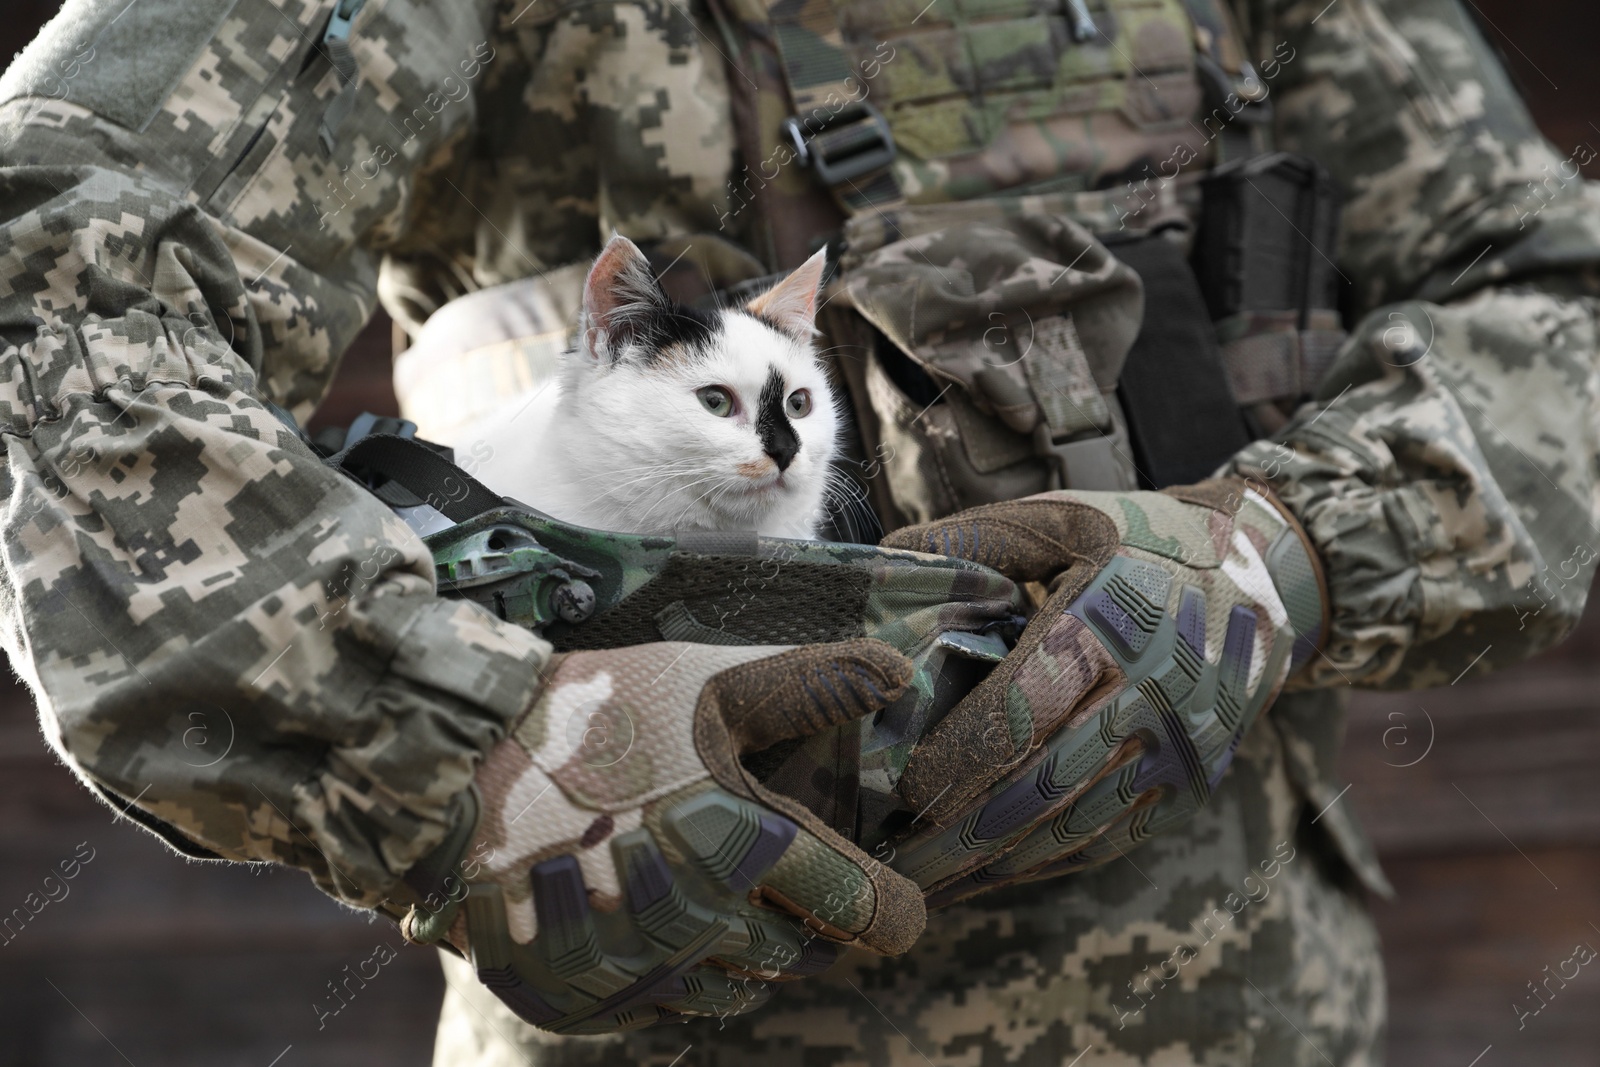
x=201, y=204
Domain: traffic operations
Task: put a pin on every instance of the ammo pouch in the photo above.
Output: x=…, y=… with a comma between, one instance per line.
x=1010, y=351
x=1021, y=319
x=1268, y=225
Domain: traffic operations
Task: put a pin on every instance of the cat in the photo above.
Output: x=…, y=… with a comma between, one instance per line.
x=663, y=417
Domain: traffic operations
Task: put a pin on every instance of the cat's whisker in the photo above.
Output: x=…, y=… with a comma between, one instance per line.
x=846, y=500
x=721, y=487
x=647, y=471
x=669, y=496
x=727, y=485
x=652, y=466
x=652, y=472
x=722, y=484
x=836, y=479
x=646, y=483
x=627, y=495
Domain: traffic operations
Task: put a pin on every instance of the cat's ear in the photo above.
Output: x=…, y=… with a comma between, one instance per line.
x=792, y=303
x=620, y=299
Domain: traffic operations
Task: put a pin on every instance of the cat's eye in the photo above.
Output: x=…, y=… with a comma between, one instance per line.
x=717, y=400
x=800, y=403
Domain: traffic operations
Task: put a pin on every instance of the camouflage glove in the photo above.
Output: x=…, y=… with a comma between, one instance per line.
x=1172, y=620
x=621, y=843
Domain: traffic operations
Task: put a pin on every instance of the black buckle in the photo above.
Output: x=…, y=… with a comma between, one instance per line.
x=852, y=142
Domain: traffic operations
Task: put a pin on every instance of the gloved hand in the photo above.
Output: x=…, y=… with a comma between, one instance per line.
x=621, y=845
x=1172, y=620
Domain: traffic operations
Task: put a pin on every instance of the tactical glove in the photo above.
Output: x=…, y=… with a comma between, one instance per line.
x=1172, y=620
x=621, y=843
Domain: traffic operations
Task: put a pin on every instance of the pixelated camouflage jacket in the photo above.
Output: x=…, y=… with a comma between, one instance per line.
x=1447, y=470
x=231, y=639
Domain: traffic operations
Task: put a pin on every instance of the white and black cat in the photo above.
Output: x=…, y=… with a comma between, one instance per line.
x=664, y=417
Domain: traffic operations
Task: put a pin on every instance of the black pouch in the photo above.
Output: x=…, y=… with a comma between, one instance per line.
x=1263, y=256
x=1183, y=420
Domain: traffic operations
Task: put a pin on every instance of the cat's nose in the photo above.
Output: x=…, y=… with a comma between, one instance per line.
x=778, y=438
x=783, y=452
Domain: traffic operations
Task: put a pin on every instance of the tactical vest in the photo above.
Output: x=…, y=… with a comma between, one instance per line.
x=1016, y=191
x=978, y=162
x=1066, y=254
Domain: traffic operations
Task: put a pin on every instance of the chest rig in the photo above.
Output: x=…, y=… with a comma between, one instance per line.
x=1014, y=188
x=1067, y=256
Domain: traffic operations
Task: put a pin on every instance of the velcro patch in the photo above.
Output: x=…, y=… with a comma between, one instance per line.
x=117, y=58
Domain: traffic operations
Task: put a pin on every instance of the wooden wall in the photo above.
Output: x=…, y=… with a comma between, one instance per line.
x=1490, y=838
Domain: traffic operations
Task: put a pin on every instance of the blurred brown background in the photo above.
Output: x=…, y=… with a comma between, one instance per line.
x=1490, y=838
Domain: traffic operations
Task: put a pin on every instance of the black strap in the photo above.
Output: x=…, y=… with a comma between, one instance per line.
x=404, y=472
x=1181, y=413
x=1264, y=224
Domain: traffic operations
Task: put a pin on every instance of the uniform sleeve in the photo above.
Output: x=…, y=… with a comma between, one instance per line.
x=617, y=121
x=222, y=634
x=1447, y=470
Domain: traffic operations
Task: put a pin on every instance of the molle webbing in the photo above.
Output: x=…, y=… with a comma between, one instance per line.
x=962, y=99
x=855, y=107
x=844, y=141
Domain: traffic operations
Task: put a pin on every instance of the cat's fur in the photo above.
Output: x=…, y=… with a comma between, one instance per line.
x=621, y=440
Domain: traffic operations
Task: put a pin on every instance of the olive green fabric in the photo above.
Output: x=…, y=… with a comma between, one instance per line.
x=1022, y=315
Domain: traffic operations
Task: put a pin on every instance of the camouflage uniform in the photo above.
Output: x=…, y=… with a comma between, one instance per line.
x=177, y=249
